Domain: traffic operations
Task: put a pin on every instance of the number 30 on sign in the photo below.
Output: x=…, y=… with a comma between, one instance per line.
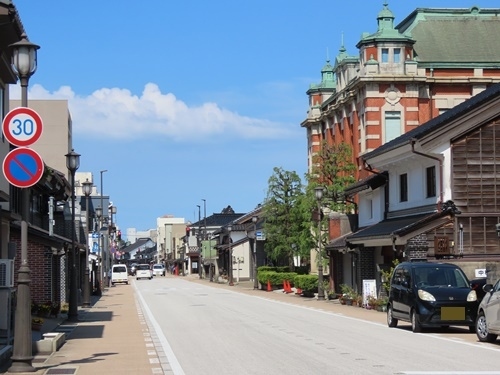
x=22, y=126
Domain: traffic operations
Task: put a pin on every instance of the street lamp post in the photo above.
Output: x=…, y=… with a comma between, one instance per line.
x=102, y=266
x=72, y=163
x=230, y=260
x=112, y=211
x=98, y=291
x=318, y=191
x=24, y=63
x=255, y=281
x=87, y=189
x=199, y=242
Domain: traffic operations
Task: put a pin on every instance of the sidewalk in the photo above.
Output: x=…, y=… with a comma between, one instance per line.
x=99, y=343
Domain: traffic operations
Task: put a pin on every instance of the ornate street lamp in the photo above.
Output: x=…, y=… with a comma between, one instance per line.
x=73, y=163
x=24, y=63
x=87, y=189
x=255, y=281
x=318, y=191
x=230, y=260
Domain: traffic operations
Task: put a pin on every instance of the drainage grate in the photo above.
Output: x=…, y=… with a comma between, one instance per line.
x=54, y=371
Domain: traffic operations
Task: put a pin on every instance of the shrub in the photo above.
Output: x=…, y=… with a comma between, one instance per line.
x=275, y=278
x=308, y=283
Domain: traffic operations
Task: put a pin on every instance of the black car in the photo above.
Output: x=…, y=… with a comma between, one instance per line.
x=431, y=295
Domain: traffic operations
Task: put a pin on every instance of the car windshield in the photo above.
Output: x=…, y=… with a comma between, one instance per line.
x=143, y=267
x=119, y=269
x=158, y=266
x=441, y=276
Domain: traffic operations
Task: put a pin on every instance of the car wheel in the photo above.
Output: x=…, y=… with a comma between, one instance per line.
x=482, y=329
x=391, y=321
x=415, y=325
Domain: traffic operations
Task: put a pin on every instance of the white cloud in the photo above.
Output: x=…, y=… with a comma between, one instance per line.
x=118, y=113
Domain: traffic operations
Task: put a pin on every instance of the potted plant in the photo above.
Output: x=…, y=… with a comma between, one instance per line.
x=36, y=324
x=348, y=294
x=381, y=304
x=372, y=303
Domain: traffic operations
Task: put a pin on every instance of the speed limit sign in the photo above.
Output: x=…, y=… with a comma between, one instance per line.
x=22, y=126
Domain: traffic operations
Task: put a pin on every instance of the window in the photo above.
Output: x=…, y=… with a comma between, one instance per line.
x=431, y=181
x=397, y=55
x=392, y=125
x=385, y=55
x=403, y=187
x=370, y=209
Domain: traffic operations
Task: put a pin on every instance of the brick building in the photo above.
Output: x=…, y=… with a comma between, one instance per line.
x=401, y=77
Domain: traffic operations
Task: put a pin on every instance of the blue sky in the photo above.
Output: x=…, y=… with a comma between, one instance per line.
x=189, y=100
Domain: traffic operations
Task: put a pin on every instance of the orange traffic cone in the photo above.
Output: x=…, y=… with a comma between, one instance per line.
x=298, y=291
x=285, y=287
x=269, y=288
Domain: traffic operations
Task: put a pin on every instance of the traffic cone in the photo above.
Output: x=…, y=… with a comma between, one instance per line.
x=285, y=287
x=288, y=288
x=269, y=288
x=298, y=291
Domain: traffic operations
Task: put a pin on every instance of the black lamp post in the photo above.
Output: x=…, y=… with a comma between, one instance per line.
x=318, y=191
x=73, y=163
x=87, y=189
x=255, y=281
x=24, y=63
x=112, y=211
x=98, y=291
x=230, y=260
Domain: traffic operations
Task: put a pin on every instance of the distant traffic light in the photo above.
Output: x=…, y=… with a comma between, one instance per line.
x=119, y=235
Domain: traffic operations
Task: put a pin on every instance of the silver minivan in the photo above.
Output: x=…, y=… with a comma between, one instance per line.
x=488, y=314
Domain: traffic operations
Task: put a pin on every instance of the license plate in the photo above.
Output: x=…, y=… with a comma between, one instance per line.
x=452, y=313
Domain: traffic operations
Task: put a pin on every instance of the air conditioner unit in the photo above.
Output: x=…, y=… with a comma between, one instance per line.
x=6, y=273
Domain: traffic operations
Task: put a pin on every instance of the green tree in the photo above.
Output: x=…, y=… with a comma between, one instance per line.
x=333, y=170
x=286, y=235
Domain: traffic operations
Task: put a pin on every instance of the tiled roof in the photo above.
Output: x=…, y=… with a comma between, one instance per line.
x=452, y=35
x=373, y=182
x=137, y=244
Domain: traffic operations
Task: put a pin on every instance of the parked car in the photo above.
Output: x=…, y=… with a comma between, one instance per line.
x=488, y=314
x=143, y=271
x=118, y=274
x=431, y=295
x=158, y=270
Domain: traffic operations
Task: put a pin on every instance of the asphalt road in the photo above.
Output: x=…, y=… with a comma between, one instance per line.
x=216, y=330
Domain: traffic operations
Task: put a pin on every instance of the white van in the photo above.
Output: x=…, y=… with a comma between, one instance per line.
x=119, y=274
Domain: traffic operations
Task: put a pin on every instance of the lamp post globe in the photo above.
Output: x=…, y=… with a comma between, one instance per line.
x=318, y=192
x=24, y=63
x=73, y=163
x=87, y=190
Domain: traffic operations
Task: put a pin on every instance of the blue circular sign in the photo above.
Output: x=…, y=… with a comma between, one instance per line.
x=23, y=167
